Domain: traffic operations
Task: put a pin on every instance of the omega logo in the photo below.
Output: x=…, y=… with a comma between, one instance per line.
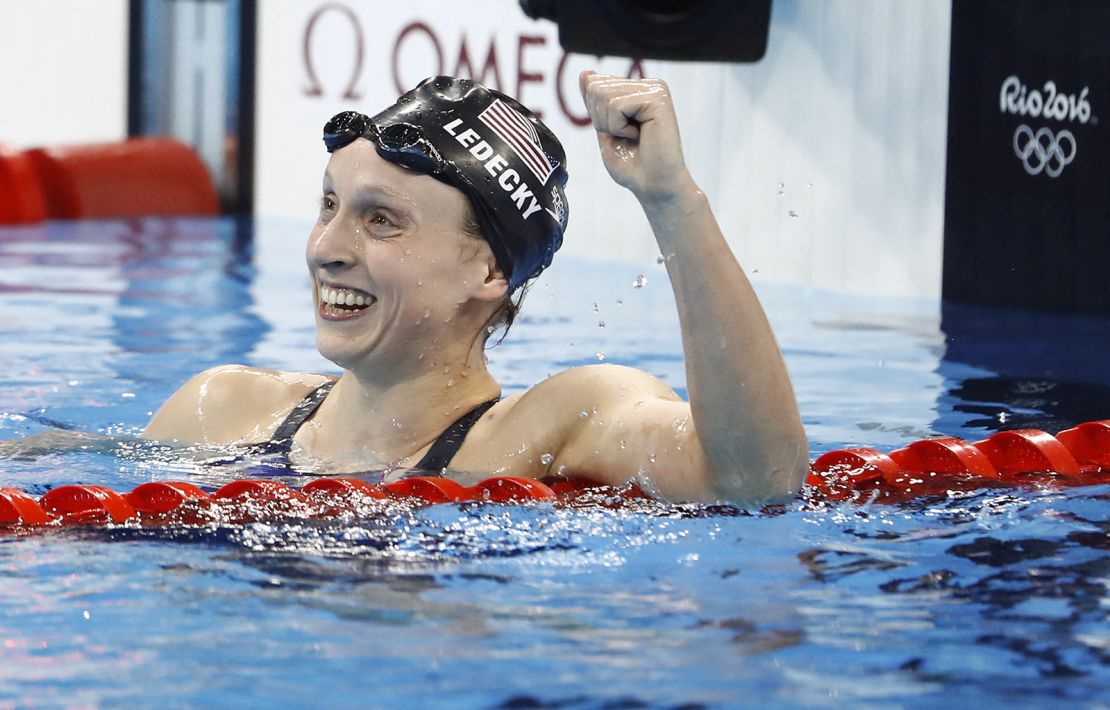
x=492, y=70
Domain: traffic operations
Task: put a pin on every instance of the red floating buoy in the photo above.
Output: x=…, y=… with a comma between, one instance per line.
x=506, y=489
x=18, y=508
x=87, y=505
x=947, y=455
x=1089, y=443
x=431, y=490
x=1024, y=451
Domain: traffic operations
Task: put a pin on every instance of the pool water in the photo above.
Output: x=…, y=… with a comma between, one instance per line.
x=996, y=597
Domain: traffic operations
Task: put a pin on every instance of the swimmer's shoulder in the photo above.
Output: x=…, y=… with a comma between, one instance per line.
x=595, y=385
x=552, y=410
x=231, y=404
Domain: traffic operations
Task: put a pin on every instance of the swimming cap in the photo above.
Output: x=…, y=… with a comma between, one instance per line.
x=510, y=166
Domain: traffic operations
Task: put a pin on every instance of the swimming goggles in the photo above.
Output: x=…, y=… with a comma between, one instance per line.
x=404, y=143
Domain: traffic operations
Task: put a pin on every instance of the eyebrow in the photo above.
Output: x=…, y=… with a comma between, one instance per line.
x=374, y=192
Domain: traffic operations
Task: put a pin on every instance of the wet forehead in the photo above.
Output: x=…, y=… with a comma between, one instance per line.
x=357, y=172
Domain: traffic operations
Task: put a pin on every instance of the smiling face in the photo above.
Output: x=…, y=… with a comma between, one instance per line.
x=396, y=278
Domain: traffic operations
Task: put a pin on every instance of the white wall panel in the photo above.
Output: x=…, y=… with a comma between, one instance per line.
x=842, y=124
x=63, y=71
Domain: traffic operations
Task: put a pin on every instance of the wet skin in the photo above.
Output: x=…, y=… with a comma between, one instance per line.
x=390, y=243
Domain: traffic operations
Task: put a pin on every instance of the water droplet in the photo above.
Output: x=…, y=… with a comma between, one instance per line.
x=546, y=459
x=623, y=443
x=601, y=324
x=640, y=281
x=396, y=423
x=600, y=355
x=561, y=470
x=583, y=414
x=782, y=190
x=620, y=301
x=755, y=271
x=792, y=213
x=651, y=458
x=659, y=259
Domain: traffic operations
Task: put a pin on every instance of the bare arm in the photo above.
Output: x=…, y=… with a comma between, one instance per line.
x=745, y=439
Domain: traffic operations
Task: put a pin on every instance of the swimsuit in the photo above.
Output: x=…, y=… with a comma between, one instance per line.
x=434, y=462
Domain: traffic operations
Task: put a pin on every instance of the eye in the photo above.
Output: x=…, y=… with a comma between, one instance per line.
x=381, y=223
x=327, y=204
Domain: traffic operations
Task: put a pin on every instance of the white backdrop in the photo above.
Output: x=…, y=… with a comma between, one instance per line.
x=824, y=161
x=63, y=71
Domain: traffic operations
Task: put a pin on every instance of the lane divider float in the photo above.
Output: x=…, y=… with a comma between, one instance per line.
x=247, y=500
x=1077, y=456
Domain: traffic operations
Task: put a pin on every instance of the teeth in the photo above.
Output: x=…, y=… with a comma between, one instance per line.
x=342, y=297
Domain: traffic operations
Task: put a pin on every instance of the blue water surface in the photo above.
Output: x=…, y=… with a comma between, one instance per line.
x=994, y=597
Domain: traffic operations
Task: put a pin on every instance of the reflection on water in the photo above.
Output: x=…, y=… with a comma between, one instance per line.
x=981, y=597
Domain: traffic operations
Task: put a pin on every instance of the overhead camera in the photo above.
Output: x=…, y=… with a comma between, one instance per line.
x=677, y=30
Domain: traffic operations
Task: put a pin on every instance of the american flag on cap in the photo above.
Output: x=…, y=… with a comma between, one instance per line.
x=521, y=136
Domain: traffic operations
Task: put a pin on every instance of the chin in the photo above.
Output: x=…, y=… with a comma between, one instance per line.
x=337, y=349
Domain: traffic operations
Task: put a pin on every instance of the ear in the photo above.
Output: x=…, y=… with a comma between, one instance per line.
x=495, y=285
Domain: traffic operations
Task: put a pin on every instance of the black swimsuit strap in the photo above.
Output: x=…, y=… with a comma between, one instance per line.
x=282, y=440
x=435, y=461
x=447, y=445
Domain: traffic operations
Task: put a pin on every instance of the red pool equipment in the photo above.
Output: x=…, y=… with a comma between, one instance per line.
x=18, y=508
x=1079, y=456
x=1089, y=443
x=160, y=498
x=138, y=177
x=22, y=200
x=87, y=505
x=946, y=455
x=1023, y=451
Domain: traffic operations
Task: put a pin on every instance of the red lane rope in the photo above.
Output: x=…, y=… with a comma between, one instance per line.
x=248, y=500
x=1077, y=456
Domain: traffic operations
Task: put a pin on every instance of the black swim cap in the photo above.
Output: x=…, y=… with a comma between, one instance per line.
x=510, y=166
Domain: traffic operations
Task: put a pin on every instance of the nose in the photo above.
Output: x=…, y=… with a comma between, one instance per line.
x=331, y=246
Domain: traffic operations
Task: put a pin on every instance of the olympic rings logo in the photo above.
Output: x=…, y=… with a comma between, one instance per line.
x=1044, y=150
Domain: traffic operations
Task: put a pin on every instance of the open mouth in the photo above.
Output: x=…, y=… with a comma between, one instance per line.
x=343, y=303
